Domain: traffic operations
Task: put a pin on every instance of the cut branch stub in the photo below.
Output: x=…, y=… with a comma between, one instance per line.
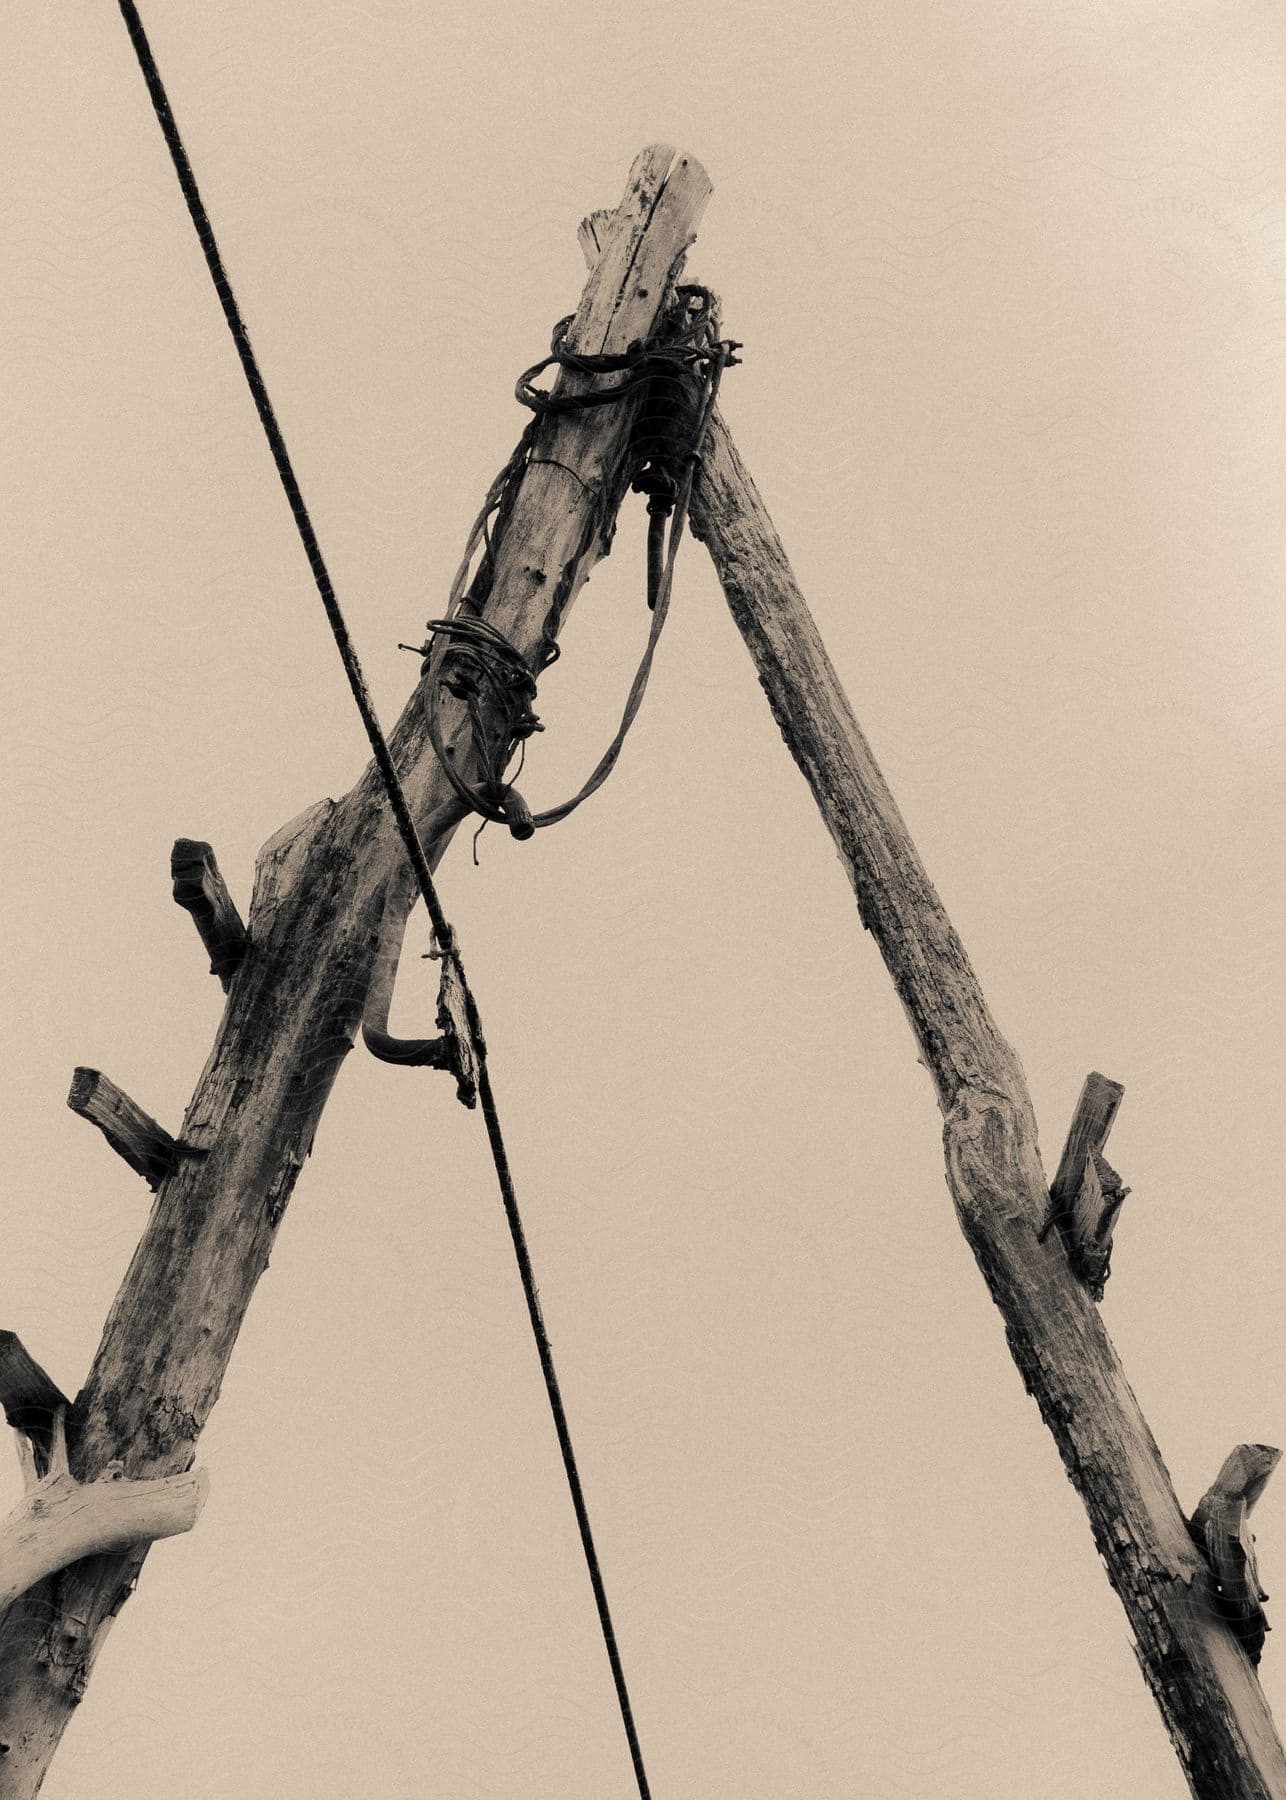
x=146, y=1146
x=1089, y=1238
x=200, y=889
x=30, y=1398
x=1087, y=1194
x=59, y=1520
x=1220, y=1529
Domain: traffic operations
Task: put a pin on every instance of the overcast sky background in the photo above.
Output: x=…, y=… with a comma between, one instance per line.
x=1012, y=284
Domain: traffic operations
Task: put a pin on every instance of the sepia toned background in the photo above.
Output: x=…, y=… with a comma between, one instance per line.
x=1013, y=290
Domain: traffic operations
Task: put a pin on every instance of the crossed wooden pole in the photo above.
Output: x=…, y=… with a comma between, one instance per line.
x=108, y=1474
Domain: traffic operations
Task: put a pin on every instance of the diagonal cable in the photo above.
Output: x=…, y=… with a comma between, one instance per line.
x=406, y=826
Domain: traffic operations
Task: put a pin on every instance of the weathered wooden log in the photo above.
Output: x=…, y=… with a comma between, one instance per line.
x=322, y=887
x=59, y=1520
x=1203, y=1681
x=1220, y=1528
x=200, y=889
x=133, y=1134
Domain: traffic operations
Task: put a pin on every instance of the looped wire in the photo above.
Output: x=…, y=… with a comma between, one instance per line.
x=492, y=678
x=472, y=659
x=688, y=340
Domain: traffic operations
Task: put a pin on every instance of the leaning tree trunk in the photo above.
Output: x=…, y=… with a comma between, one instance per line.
x=1192, y=1654
x=319, y=924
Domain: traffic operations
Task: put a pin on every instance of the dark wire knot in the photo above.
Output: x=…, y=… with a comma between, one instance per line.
x=685, y=338
x=484, y=670
x=666, y=438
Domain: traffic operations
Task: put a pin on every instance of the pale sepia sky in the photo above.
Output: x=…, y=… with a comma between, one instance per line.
x=1011, y=283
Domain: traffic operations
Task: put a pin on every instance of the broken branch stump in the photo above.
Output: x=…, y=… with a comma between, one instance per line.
x=29, y=1397
x=200, y=889
x=133, y=1134
x=1086, y=1194
x=1204, y=1683
x=1220, y=1529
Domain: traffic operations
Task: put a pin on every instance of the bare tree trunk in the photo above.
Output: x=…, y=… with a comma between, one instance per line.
x=297, y=990
x=1203, y=1680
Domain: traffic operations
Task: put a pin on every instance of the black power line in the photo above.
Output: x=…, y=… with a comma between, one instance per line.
x=405, y=824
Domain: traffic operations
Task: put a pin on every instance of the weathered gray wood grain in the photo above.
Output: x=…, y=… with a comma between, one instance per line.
x=199, y=888
x=322, y=887
x=1086, y=1194
x=1220, y=1528
x=1202, y=1678
x=133, y=1134
x=29, y=1397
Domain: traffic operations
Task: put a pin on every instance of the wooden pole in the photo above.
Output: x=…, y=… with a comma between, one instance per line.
x=1192, y=1658
x=329, y=903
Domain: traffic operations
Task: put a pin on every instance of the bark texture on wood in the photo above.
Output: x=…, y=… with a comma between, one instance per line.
x=323, y=886
x=199, y=888
x=1203, y=1681
x=30, y=1398
x=1221, y=1528
x=1095, y=1114
x=133, y=1134
x=1086, y=1194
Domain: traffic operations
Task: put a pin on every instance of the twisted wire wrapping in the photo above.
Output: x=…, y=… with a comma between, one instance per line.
x=472, y=659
